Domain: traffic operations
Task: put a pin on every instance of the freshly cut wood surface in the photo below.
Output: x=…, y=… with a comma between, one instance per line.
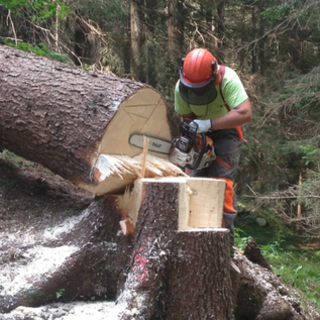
x=200, y=200
x=206, y=202
x=127, y=227
x=144, y=112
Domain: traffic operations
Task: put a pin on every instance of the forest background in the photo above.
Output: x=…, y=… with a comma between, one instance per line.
x=275, y=48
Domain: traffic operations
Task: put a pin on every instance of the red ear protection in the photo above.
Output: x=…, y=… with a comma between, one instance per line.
x=217, y=80
x=215, y=73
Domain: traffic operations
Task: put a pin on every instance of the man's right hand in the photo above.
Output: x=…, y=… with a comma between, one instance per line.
x=203, y=125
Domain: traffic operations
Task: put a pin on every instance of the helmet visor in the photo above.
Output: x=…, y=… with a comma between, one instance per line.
x=197, y=94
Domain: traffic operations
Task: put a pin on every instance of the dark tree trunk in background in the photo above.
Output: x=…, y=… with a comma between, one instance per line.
x=242, y=39
x=254, y=67
x=220, y=23
x=135, y=23
x=149, y=51
x=87, y=42
x=4, y=26
x=172, y=28
x=180, y=26
x=262, y=56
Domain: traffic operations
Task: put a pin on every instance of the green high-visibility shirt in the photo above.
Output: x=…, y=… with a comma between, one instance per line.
x=233, y=92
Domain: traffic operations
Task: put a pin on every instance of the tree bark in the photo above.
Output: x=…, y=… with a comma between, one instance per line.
x=172, y=28
x=155, y=231
x=220, y=23
x=135, y=30
x=200, y=262
x=64, y=118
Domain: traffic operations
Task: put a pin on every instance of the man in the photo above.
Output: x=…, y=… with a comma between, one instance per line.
x=214, y=97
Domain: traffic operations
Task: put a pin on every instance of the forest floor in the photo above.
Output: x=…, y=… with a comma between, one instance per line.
x=294, y=258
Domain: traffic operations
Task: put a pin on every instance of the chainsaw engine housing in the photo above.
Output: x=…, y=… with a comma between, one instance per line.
x=192, y=150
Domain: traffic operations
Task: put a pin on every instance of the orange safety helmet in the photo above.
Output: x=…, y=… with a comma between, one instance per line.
x=198, y=77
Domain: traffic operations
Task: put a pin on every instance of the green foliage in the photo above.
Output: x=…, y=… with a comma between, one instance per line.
x=40, y=50
x=105, y=11
x=60, y=293
x=241, y=239
x=294, y=9
x=277, y=13
x=274, y=248
x=298, y=268
x=14, y=5
x=312, y=154
x=42, y=9
x=13, y=160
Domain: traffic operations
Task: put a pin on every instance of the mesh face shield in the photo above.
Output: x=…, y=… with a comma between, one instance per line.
x=197, y=94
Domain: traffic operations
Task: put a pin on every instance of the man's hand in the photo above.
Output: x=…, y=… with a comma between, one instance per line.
x=203, y=125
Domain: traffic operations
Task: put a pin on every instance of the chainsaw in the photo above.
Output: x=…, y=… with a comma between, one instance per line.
x=190, y=150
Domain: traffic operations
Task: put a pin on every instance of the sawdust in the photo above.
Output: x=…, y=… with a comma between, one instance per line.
x=19, y=275
x=37, y=206
x=66, y=311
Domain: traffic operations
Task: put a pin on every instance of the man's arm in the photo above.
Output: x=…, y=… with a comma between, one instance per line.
x=235, y=117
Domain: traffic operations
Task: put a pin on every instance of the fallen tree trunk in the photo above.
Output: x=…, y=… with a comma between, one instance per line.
x=65, y=118
x=79, y=260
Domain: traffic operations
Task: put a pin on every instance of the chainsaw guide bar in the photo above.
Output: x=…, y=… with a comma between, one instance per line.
x=155, y=144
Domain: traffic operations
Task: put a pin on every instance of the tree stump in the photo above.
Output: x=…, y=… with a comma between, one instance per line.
x=199, y=282
x=176, y=274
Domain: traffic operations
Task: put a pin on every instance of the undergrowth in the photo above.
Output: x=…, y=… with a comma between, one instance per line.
x=297, y=268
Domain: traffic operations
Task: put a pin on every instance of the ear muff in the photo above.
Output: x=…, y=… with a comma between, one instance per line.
x=217, y=80
x=215, y=73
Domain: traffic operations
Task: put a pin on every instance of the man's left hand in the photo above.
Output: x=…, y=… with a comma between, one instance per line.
x=203, y=125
